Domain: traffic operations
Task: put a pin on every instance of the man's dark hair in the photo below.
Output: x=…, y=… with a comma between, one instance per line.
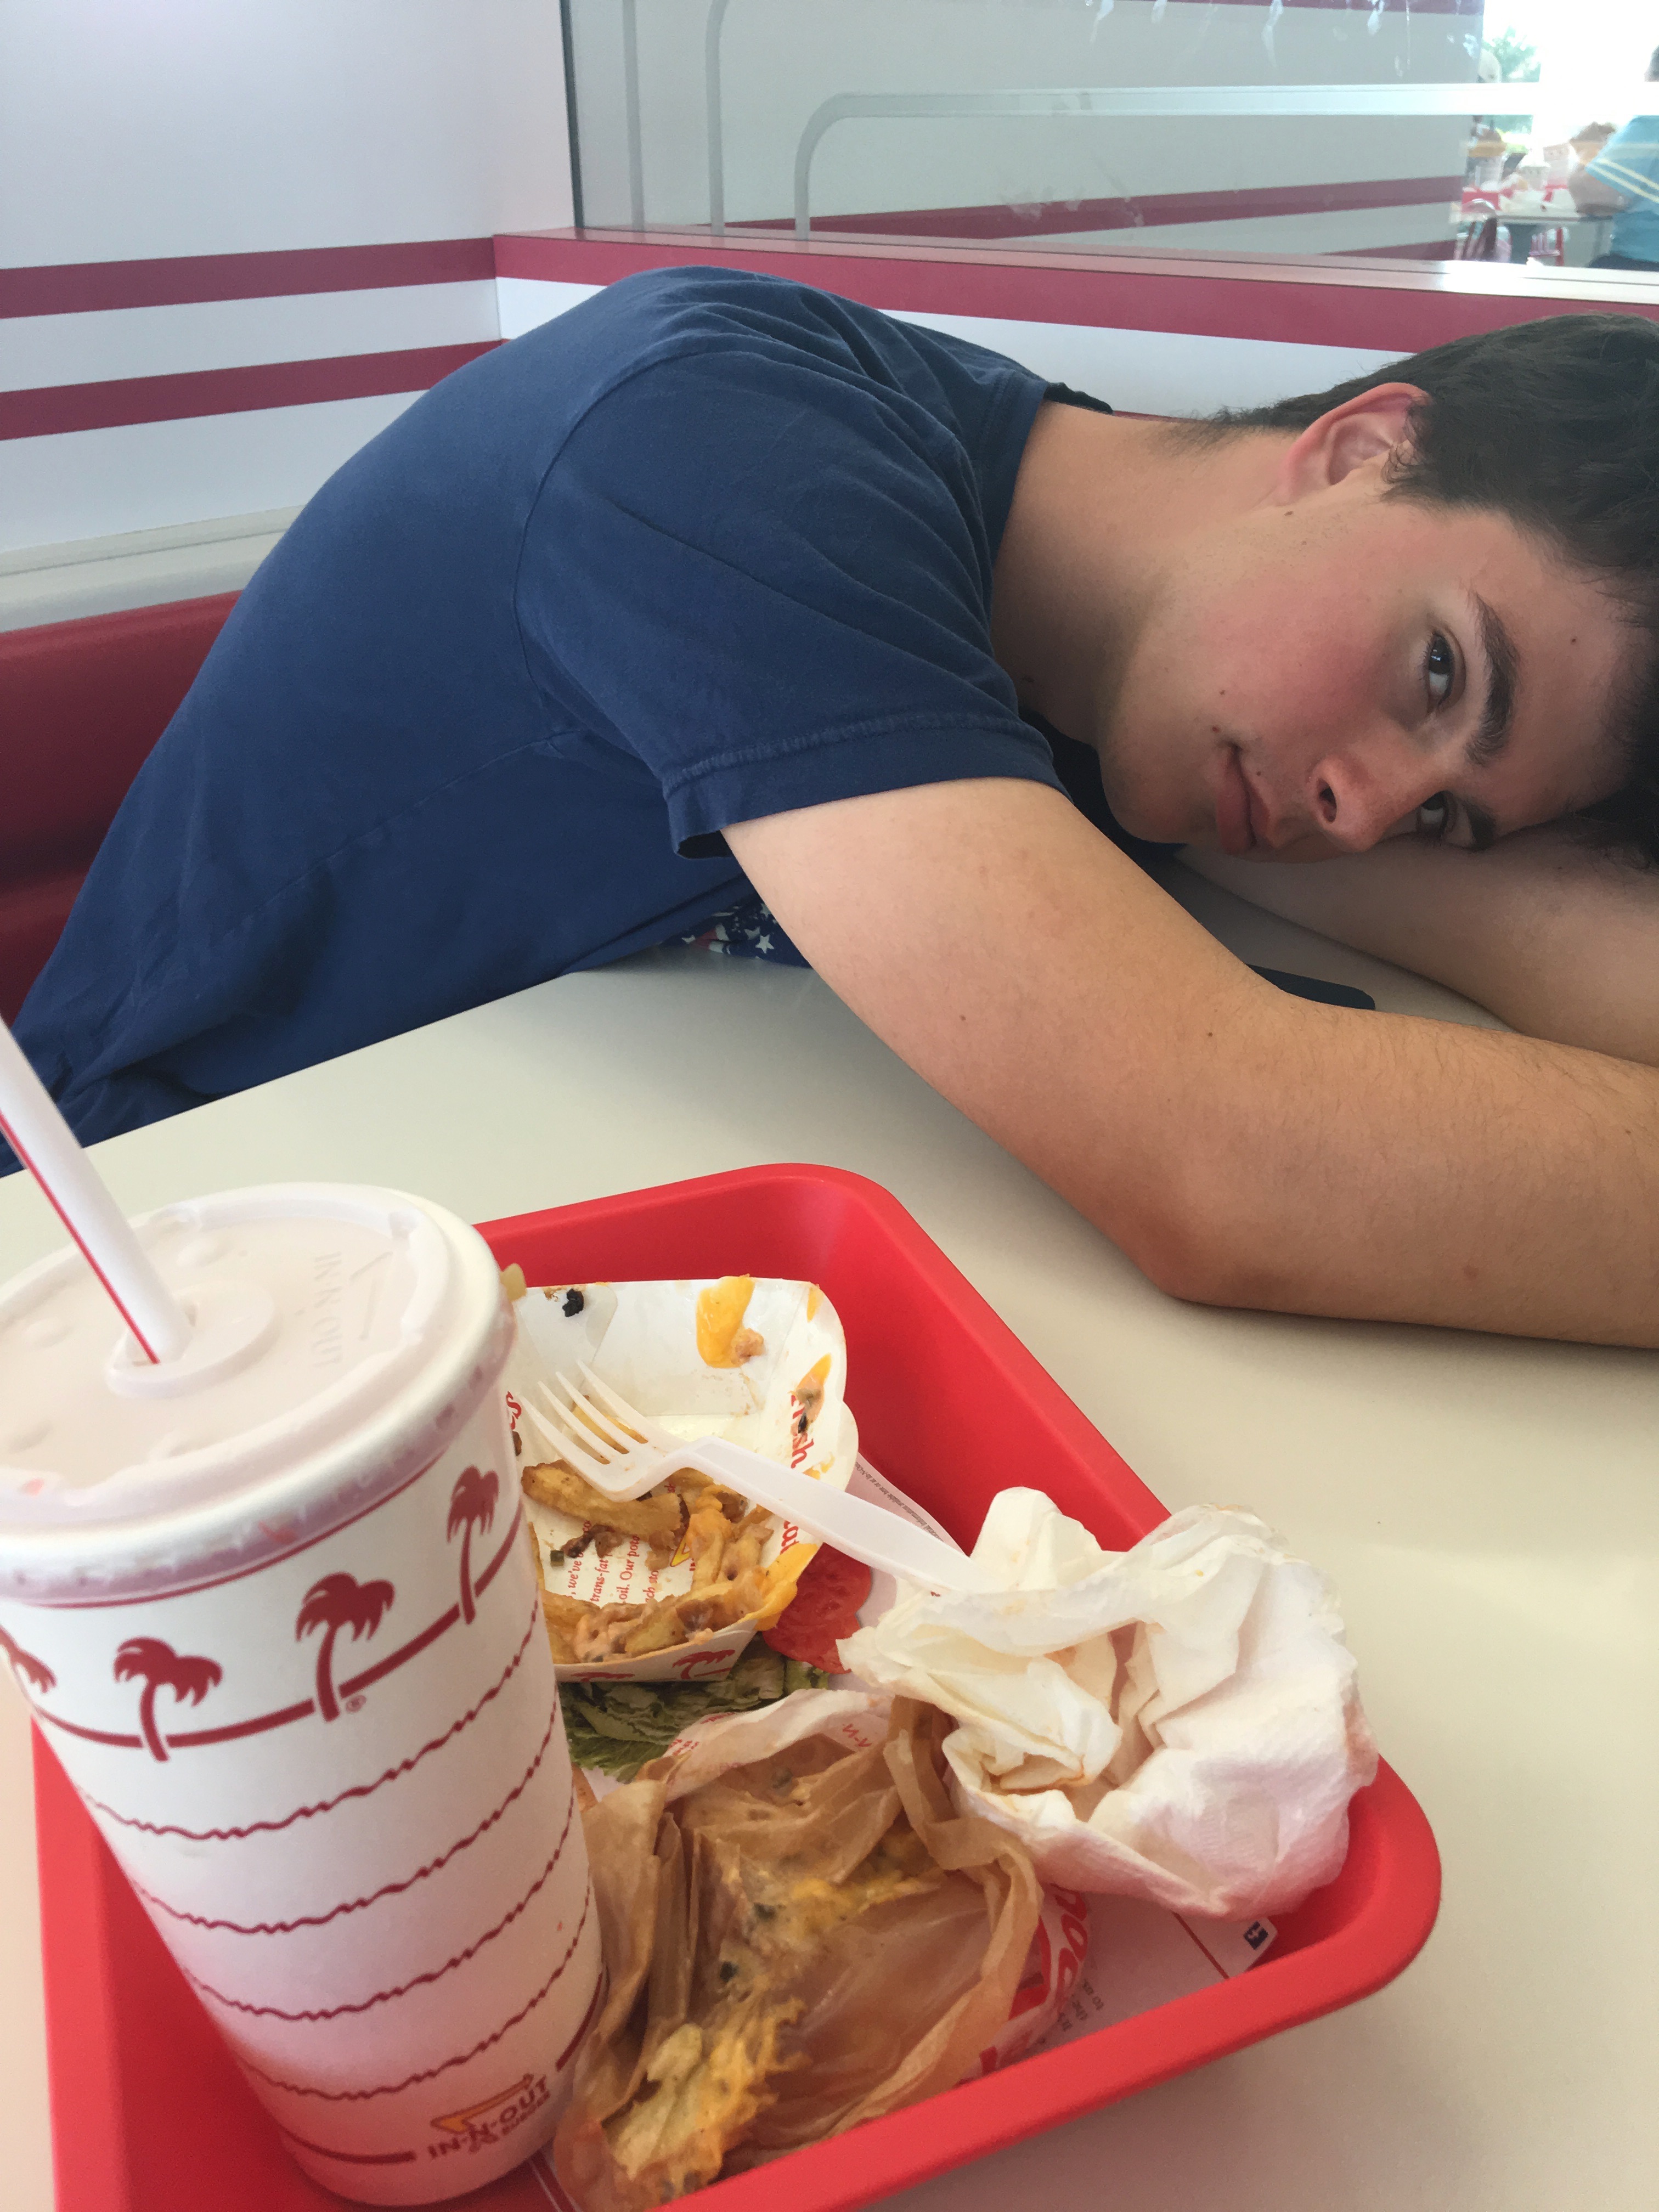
x=1554, y=423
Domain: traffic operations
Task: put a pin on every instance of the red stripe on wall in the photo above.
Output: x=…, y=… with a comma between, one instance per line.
x=1298, y=302
x=1150, y=210
x=104, y=406
x=73, y=288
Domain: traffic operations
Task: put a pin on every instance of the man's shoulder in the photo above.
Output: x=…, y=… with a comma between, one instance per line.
x=688, y=347
x=659, y=317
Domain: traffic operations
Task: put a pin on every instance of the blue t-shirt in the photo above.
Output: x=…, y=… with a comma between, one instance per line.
x=1630, y=163
x=707, y=547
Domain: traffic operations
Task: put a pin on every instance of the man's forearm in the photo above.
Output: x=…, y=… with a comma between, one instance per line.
x=1241, y=1146
x=1383, y=1168
x=1552, y=932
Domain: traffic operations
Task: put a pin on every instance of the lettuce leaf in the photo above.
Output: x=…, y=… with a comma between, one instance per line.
x=619, y=1727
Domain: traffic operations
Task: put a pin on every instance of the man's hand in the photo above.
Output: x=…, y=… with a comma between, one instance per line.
x=1243, y=1146
x=1551, y=931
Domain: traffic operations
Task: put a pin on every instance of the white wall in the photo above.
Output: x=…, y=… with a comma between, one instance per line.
x=137, y=129
x=107, y=484
x=37, y=350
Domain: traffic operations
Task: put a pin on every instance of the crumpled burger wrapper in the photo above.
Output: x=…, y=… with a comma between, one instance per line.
x=1180, y=1722
x=849, y=2016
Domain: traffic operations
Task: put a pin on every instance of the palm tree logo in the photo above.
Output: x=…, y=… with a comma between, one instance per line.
x=27, y=1668
x=159, y=1666
x=472, y=1503
x=336, y=1603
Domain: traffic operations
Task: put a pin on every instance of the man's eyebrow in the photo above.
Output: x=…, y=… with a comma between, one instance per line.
x=1502, y=663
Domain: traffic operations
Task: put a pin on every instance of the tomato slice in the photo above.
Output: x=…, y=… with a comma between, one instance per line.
x=824, y=1608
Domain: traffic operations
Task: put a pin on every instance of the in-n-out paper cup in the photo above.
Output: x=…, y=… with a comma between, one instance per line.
x=274, y=1607
x=759, y=1361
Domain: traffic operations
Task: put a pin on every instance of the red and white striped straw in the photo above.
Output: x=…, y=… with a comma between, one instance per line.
x=46, y=1145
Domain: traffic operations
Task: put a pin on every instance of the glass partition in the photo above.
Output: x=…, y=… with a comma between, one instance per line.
x=1380, y=128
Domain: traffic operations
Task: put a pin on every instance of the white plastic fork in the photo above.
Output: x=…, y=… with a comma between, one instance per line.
x=624, y=1454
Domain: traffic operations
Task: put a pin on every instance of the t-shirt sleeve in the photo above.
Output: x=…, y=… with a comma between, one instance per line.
x=767, y=581
x=1629, y=162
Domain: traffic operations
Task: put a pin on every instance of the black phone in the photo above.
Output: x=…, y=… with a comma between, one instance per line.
x=1310, y=986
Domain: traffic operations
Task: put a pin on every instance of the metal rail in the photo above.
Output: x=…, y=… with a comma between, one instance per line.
x=711, y=78
x=630, y=37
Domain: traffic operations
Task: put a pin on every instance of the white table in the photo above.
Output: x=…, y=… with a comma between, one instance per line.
x=1490, y=1510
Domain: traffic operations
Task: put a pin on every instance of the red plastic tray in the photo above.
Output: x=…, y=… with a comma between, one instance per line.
x=148, y=2113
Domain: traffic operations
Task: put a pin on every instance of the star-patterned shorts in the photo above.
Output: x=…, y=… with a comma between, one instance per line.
x=746, y=931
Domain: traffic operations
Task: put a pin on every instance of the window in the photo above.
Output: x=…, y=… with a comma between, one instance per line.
x=1426, y=132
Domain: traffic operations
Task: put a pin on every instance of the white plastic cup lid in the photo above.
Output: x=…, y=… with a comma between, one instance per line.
x=341, y=1334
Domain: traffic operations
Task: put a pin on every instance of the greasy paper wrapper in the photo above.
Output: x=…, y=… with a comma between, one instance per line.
x=857, y=1719
x=358, y=1843
x=641, y=1338
x=1180, y=1722
x=903, y=2001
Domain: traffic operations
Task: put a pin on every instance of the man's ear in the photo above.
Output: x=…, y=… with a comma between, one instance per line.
x=1365, y=429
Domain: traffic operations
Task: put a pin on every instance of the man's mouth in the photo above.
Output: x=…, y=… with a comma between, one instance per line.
x=1235, y=822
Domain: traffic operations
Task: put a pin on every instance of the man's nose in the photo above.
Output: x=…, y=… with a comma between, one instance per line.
x=1355, y=806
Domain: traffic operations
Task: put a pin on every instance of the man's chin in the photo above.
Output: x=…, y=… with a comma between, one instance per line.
x=1138, y=816
x=1145, y=805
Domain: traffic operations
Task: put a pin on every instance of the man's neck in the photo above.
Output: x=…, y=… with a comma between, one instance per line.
x=1103, y=506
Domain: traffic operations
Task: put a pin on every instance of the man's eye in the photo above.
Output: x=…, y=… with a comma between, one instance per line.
x=1435, y=816
x=1439, y=671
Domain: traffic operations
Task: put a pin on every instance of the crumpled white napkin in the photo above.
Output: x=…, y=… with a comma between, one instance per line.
x=1180, y=1722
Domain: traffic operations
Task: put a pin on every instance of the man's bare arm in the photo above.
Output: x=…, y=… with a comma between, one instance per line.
x=1243, y=1146
x=1591, y=197
x=1552, y=932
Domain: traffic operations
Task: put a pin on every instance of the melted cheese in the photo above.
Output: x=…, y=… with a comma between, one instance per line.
x=721, y=1309
x=708, y=2080
x=794, y=1912
x=701, y=2091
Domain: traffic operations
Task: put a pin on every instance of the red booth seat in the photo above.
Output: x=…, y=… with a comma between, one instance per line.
x=81, y=705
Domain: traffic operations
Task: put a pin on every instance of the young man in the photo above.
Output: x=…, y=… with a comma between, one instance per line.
x=719, y=586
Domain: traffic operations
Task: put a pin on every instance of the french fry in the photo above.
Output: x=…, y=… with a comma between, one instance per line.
x=657, y=1518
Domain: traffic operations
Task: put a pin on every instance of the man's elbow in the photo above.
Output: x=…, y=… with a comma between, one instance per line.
x=1191, y=1261
x=1195, y=1242
x=1199, y=1173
